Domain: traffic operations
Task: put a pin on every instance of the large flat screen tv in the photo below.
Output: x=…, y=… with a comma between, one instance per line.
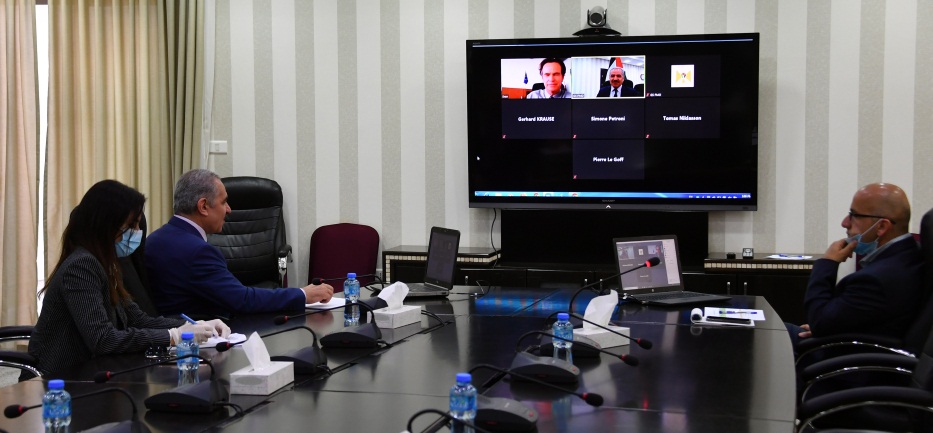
x=648, y=122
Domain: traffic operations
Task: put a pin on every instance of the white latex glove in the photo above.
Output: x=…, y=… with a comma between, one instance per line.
x=202, y=331
x=220, y=328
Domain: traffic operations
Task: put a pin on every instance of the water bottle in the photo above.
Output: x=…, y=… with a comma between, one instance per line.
x=351, y=291
x=188, y=367
x=56, y=407
x=564, y=329
x=463, y=398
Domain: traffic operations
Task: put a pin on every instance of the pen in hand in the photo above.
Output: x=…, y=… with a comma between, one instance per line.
x=192, y=321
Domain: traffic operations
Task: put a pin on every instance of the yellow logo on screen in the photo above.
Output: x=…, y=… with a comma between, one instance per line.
x=682, y=75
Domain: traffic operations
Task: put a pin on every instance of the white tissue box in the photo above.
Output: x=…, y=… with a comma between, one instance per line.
x=262, y=381
x=397, y=317
x=605, y=338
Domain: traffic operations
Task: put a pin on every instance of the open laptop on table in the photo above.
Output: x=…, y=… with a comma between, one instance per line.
x=657, y=285
x=439, y=268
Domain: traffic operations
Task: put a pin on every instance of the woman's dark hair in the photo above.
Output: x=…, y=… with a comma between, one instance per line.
x=94, y=225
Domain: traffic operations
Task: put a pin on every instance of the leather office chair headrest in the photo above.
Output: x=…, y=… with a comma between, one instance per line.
x=247, y=192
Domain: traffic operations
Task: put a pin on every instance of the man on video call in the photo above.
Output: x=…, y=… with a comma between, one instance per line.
x=552, y=72
x=616, y=87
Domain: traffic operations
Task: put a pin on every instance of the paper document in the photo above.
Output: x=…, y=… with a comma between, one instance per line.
x=334, y=302
x=739, y=313
x=700, y=317
x=789, y=257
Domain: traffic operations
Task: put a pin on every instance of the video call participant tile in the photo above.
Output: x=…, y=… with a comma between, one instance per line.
x=682, y=76
x=682, y=118
x=536, y=118
x=608, y=118
x=609, y=159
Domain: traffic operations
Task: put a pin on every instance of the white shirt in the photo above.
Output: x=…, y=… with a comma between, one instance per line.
x=195, y=225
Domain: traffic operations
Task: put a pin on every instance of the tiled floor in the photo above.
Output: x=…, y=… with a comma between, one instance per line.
x=8, y=376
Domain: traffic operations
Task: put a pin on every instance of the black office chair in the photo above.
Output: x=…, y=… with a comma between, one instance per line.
x=253, y=237
x=912, y=341
x=908, y=407
x=640, y=89
x=20, y=360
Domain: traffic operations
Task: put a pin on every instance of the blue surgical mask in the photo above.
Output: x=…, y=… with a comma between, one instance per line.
x=129, y=242
x=864, y=248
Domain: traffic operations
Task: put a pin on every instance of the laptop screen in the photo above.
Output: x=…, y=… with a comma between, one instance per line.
x=632, y=252
x=442, y=257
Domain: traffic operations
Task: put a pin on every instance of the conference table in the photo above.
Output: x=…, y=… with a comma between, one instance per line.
x=694, y=379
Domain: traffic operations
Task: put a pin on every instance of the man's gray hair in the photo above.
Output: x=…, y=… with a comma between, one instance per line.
x=193, y=186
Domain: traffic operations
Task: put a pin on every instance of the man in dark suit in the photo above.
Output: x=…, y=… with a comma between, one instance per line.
x=884, y=296
x=189, y=275
x=617, y=85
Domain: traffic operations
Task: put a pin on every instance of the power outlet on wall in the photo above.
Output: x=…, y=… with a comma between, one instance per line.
x=219, y=147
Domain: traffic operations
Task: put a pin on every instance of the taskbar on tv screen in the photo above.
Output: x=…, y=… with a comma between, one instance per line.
x=609, y=195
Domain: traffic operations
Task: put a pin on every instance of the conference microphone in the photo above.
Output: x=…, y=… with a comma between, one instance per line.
x=199, y=397
x=641, y=342
x=654, y=261
x=628, y=359
x=590, y=398
x=505, y=414
x=446, y=416
x=356, y=337
x=131, y=425
x=307, y=360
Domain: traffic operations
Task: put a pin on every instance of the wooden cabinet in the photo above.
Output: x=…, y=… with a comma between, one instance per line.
x=407, y=262
x=505, y=276
x=784, y=292
x=782, y=283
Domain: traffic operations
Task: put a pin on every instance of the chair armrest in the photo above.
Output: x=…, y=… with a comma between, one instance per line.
x=849, y=343
x=15, y=332
x=285, y=251
x=886, y=360
x=834, y=402
x=20, y=360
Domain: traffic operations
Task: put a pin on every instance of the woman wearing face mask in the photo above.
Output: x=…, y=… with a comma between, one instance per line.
x=86, y=311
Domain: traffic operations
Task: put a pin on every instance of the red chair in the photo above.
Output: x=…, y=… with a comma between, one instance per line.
x=338, y=249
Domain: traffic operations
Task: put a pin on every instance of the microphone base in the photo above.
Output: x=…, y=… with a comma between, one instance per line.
x=193, y=398
x=358, y=337
x=504, y=414
x=308, y=360
x=550, y=370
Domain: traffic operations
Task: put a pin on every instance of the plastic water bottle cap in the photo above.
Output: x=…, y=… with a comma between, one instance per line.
x=187, y=335
x=351, y=275
x=464, y=377
x=56, y=384
x=563, y=316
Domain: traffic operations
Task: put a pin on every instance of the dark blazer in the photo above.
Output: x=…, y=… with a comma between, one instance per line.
x=882, y=298
x=189, y=275
x=78, y=321
x=606, y=91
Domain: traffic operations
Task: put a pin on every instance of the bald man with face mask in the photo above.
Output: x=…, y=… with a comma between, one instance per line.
x=884, y=296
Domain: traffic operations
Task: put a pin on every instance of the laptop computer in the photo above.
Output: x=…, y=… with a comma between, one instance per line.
x=440, y=265
x=655, y=285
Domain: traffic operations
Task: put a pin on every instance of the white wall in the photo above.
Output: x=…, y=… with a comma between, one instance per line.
x=333, y=98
